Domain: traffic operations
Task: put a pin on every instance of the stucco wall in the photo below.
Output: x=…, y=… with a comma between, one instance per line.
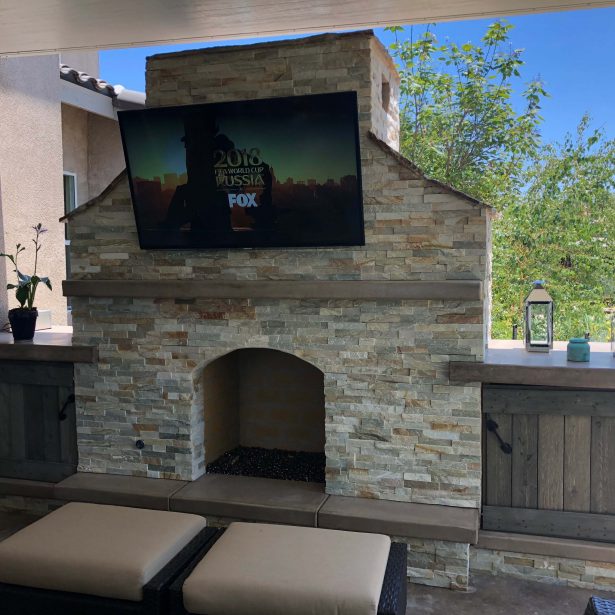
x=105, y=153
x=92, y=148
x=75, y=148
x=31, y=171
x=40, y=139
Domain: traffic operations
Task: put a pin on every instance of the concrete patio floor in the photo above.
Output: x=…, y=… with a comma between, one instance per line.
x=489, y=595
x=500, y=596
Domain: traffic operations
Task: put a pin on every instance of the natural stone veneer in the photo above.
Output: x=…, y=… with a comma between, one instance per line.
x=396, y=427
x=545, y=568
x=438, y=563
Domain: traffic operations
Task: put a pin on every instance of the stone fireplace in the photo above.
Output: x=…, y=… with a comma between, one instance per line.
x=344, y=351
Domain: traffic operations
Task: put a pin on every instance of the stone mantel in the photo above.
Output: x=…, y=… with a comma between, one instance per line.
x=449, y=290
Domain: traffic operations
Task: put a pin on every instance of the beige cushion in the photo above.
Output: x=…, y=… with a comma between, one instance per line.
x=109, y=551
x=261, y=569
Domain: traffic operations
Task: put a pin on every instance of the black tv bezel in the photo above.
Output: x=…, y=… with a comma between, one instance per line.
x=262, y=245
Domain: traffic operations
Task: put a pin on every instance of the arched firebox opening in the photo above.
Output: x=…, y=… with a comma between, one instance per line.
x=264, y=416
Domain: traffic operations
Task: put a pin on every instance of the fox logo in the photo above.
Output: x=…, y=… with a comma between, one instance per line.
x=247, y=199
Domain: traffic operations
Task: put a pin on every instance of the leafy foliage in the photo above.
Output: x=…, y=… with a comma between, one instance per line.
x=458, y=121
x=557, y=202
x=25, y=289
x=562, y=228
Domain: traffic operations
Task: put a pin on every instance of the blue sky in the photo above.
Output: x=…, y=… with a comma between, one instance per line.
x=572, y=52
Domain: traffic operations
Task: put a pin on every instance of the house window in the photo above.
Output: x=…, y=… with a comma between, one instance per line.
x=70, y=192
x=70, y=203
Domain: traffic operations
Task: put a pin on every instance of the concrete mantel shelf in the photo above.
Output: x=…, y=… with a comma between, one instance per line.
x=507, y=362
x=469, y=290
x=54, y=345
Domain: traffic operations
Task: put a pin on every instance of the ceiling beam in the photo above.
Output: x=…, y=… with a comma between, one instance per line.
x=49, y=26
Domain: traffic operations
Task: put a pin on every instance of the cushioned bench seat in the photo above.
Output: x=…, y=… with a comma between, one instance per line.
x=109, y=552
x=257, y=569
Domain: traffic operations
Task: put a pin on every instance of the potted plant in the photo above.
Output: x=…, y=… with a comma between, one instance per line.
x=23, y=318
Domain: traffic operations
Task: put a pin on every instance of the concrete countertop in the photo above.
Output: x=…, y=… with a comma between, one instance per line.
x=55, y=344
x=507, y=362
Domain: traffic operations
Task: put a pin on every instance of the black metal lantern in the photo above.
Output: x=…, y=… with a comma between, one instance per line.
x=538, y=319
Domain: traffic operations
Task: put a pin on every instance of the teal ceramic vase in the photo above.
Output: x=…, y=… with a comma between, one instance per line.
x=578, y=349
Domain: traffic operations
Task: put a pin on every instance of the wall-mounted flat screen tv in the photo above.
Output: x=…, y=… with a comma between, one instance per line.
x=273, y=173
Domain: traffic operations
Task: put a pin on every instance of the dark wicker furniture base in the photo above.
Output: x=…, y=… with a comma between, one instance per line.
x=22, y=600
x=393, y=596
x=600, y=606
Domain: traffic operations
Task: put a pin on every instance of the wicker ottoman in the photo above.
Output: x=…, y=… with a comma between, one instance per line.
x=258, y=569
x=92, y=559
x=600, y=606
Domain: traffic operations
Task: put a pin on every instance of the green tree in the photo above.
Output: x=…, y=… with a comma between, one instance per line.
x=457, y=117
x=562, y=229
x=556, y=201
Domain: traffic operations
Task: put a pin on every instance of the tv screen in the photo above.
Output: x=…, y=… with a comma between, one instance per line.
x=272, y=172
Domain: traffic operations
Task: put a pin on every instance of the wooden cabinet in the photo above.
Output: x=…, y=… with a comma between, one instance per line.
x=38, y=439
x=558, y=480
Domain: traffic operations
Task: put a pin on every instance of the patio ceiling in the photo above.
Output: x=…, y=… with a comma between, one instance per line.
x=44, y=26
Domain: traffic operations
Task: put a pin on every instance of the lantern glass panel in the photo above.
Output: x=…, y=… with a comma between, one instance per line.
x=539, y=316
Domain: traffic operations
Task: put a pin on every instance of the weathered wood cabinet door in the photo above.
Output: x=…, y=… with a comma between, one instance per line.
x=559, y=478
x=38, y=439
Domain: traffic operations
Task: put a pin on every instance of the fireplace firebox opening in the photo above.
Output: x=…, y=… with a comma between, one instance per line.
x=264, y=416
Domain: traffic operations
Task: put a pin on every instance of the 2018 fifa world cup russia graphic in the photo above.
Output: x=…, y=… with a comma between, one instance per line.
x=248, y=183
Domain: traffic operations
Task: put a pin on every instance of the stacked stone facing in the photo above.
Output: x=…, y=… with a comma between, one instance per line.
x=396, y=427
x=570, y=572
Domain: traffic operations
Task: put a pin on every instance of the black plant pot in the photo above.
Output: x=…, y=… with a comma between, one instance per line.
x=23, y=323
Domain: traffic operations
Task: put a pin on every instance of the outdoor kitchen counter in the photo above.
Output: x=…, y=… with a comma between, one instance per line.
x=507, y=362
x=53, y=345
